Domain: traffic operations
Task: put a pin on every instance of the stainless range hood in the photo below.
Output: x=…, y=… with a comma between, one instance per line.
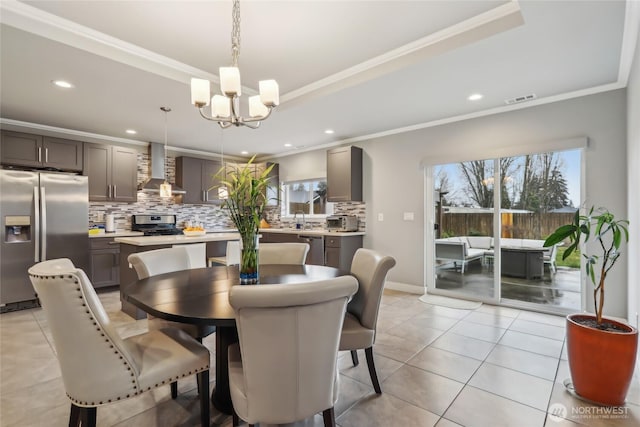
x=156, y=152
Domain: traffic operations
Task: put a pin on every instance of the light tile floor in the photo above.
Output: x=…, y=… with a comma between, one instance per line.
x=438, y=366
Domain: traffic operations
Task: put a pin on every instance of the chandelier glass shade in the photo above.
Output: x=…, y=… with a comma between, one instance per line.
x=225, y=108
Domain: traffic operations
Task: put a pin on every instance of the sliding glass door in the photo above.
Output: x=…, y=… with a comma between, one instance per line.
x=462, y=247
x=497, y=255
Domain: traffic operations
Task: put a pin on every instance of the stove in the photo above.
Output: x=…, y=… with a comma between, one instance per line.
x=155, y=225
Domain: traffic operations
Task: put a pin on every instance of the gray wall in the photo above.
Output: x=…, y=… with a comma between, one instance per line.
x=394, y=176
x=633, y=179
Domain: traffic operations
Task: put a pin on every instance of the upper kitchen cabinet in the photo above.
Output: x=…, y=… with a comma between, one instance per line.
x=344, y=174
x=35, y=151
x=112, y=172
x=197, y=178
x=273, y=187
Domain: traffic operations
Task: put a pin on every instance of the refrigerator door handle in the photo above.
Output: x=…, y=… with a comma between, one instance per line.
x=36, y=210
x=44, y=224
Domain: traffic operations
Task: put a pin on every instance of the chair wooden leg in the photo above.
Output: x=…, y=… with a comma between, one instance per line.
x=354, y=357
x=174, y=390
x=329, y=417
x=203, y=388
x=88, y=417
x=236, y=419
x=74, y=416
x=372, y=370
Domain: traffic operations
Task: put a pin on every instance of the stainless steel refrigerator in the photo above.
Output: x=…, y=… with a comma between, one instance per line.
x=44, y=216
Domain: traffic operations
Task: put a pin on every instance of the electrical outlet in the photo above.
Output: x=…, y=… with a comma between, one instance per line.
x=380, y=217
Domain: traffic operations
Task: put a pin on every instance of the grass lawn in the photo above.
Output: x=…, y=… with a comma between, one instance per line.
x=573, y=261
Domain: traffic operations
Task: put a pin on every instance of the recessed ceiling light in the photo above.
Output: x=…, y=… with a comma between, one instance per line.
x=475, y=97
x=288, y=145
x=131, y=131
x=244, y=152
x=62, y=84
x=329, y=131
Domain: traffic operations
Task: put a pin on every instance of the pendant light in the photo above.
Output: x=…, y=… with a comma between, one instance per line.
x=165, y=187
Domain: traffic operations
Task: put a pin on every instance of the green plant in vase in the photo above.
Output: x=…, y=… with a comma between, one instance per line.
x=245, y=200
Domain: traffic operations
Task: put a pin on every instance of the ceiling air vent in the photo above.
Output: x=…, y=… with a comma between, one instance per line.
x=519, y=99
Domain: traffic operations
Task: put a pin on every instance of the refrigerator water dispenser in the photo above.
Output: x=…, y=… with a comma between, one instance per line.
x=17, y=229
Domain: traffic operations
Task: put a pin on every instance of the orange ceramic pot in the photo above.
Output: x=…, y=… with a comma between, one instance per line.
x=601, y=362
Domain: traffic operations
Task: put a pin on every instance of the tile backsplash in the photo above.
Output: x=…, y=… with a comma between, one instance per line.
x=212, y=217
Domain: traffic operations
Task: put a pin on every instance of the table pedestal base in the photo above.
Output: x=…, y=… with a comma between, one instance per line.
x=221, y=397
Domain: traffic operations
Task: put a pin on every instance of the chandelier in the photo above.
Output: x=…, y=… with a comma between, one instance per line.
x=225, y=108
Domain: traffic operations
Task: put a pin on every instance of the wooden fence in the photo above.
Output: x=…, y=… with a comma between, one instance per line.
x=514, y=225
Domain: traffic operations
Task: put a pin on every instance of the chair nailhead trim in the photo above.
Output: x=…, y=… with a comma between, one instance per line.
x=136, y=391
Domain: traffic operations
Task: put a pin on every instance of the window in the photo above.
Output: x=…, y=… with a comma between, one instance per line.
x=308, y=196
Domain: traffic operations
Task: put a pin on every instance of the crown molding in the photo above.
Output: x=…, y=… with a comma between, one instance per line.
x=629, y=40
x=494, y=21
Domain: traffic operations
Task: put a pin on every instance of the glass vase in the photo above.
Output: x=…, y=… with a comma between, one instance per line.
x=249, y=259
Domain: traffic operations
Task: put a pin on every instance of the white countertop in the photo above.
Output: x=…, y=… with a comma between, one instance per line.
x=312, y=232
x=176, y=240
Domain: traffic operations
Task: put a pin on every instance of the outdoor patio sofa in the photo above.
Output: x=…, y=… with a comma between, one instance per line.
x=464, y=249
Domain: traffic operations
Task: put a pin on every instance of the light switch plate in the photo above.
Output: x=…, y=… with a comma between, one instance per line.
x=380, y=217
x=408, y=216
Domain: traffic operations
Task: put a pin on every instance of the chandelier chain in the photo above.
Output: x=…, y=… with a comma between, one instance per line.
x=235, y=33
x=225, y=108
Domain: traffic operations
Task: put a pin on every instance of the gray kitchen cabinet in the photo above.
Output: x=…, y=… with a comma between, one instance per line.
x=273, y=189
x=316, y=244
x=197, y=178
x=339, y=251
x=105, y=262
x=28, y=150
x=344, y=174
x=112, y=172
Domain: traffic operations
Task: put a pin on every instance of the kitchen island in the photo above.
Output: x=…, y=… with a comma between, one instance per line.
x=216, y=246
x=330, y=248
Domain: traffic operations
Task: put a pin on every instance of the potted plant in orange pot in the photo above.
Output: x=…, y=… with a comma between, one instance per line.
x=601, y=351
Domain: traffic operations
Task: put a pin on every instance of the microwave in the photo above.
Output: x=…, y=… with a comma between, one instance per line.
x=342, y=223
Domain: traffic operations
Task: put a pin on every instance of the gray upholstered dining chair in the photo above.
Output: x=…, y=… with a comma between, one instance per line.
x=283, y=253
x=359, y=329
x=166, y=260
x=98, y=366
x=197, y=253
x=291, y=373
x=231, y=256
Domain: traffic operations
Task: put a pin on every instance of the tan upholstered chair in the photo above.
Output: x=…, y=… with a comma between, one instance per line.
x=197, y=253
x=98, y=366
x=283, y=253
x=359, y=329
x=160, y=261
x=285, y=366
x=231, y=257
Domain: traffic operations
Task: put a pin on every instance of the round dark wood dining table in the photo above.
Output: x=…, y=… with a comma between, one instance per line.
x=201, y=297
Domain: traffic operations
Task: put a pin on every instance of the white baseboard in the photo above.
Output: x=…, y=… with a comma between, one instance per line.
x=404, y=287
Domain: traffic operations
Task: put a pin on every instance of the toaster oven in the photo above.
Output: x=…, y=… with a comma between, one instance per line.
x=342, y=223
